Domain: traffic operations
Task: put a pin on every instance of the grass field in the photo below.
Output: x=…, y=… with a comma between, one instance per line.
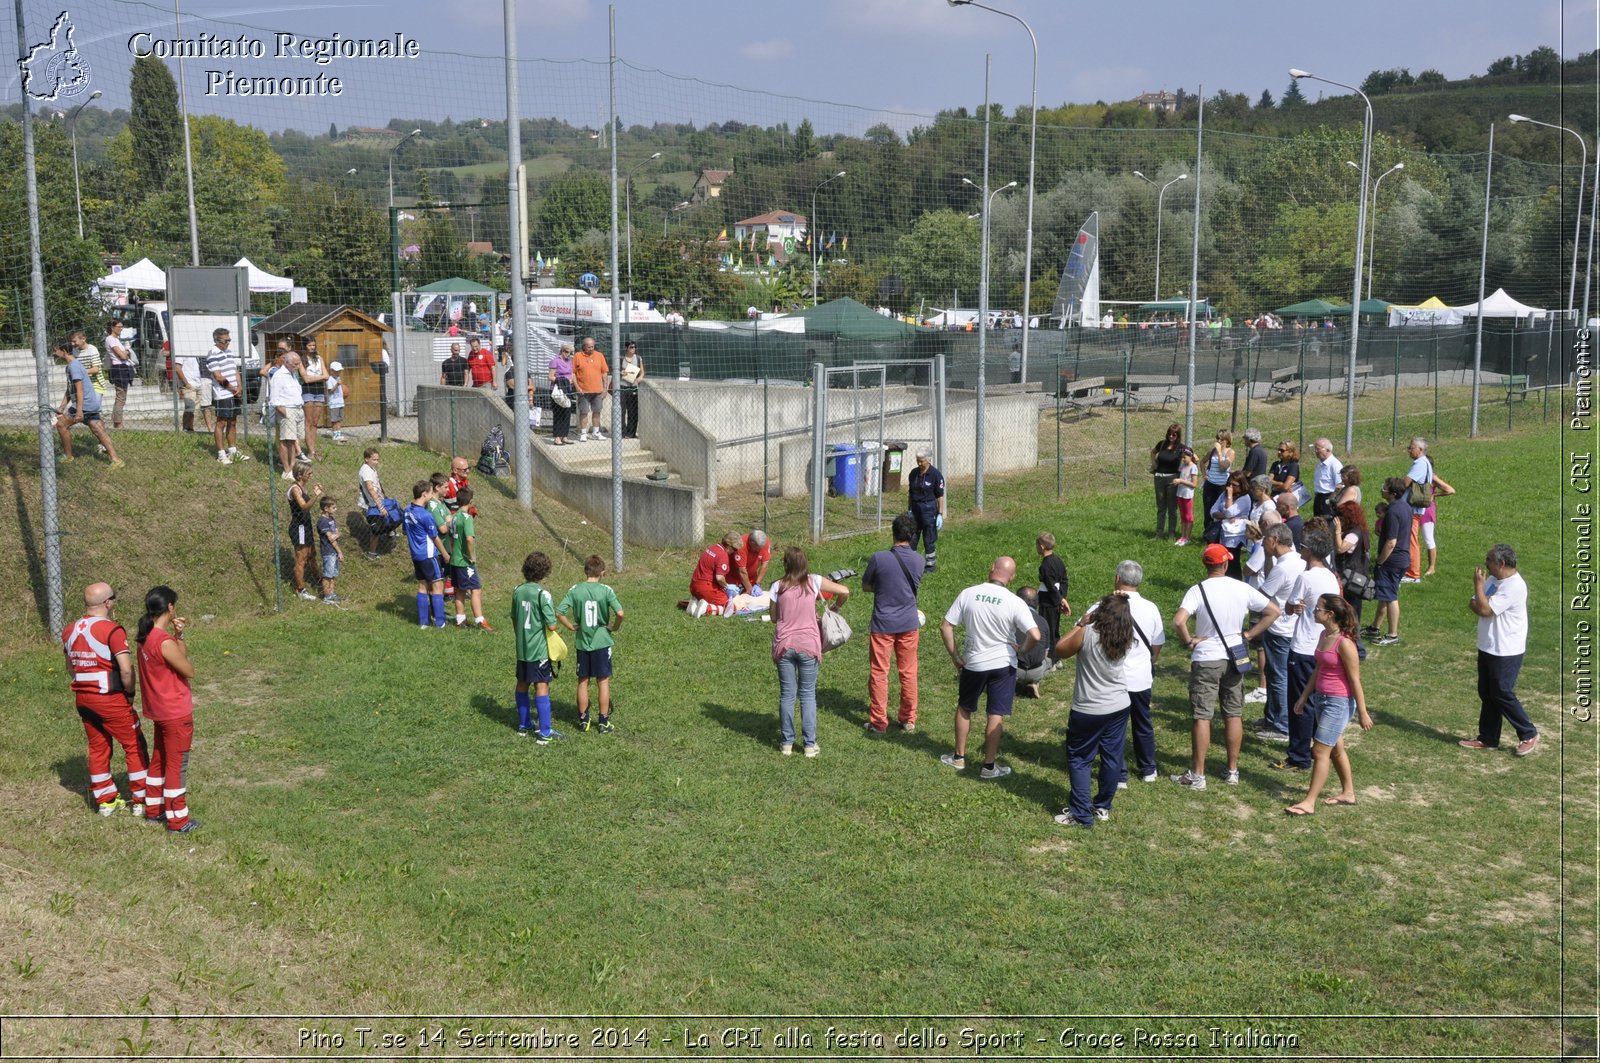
x=378, y=841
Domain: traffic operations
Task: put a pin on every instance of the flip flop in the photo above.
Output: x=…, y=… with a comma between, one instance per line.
x=1297, y=812
x=1336, y=801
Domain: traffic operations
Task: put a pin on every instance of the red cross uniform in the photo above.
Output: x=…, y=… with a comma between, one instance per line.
x=91, y=646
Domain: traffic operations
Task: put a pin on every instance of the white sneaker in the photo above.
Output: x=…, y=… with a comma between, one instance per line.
x=1257, y=695
x=1152, y=777
x=308, y=596
x=813, y=750
x=287, y=475
x=237, y=455
x=1190, y=779
x=999, y=771
x=697, y=607
x=223, y=459
x=786, y=748
x=1102, y=814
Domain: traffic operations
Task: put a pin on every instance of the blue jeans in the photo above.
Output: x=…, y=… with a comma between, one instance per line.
x=1301, y=727
x=797, y=672
x=1089, y=736
x=1278, y=703
x=1497, y=680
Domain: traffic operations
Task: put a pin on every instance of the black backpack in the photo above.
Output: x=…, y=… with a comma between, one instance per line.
x=494, y=461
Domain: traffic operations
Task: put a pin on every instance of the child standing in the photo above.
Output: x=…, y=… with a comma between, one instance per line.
x=335, y=402
x=332, y=553
x=599, y=616
x=1188, y=479
x=464, y=563
x=439, y=483
x=533, y=614
x=427, y=552
x=1052, y=586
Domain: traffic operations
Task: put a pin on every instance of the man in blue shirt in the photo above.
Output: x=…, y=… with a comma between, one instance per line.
x=1394, y=554
x=81, y=405
x=927, y=504
x=427, y=553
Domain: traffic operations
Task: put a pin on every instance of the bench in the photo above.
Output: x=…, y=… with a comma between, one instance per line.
x=1082, y=394
x=1135, y=384
x=1363, y=378
x=1517, y=386
x=1285, y=383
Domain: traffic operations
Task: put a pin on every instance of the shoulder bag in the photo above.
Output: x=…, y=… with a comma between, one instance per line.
x=1238, y=656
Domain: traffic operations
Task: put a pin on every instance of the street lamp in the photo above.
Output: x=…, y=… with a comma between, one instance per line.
x=340, y=181
x=983, y=247
x=392, y=151
x=627, y=185
x=668, y=216
x=1361, y=240
x=816, y=237
x=1161, y=195
x=1033, y=141
x=1372, y=240
x=1577, y=228
x=72, y=126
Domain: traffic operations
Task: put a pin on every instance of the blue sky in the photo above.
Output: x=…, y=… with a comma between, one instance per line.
x=911, y=56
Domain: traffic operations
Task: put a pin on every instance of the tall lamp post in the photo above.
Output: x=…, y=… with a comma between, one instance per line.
x=983, y=246
x=1159, y=216
x=72, y=127
x=1361, y=241
x=1033, y=143
x=1372, y=240
x=668, y=216
x=339, y=182
x=816, y=237
x=392, y=152
x=394, y=226
x=1577, y=228
x=627, y=185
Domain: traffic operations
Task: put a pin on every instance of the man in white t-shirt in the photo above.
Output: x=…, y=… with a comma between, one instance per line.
x=1218, y=605
x=1316, y=579
x=1325, y=481
x=1139, y=667
x=997, y=625
x=1500, y=598
x=287, y=398
x=1280, y=573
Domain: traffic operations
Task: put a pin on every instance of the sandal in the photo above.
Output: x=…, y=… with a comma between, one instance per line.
x=1297, y=812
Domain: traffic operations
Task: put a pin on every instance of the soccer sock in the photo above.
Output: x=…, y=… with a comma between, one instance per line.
x=543, y=703
x=438, y=608
x=524, y=711
x=422, y=608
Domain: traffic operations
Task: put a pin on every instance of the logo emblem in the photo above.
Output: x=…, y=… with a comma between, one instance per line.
x=55, y=70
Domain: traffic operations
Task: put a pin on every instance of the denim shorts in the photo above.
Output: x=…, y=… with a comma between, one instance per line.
x=330, y=565
x=1334, y=713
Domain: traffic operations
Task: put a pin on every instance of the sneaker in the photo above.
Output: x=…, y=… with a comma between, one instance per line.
x=1369, y=631
x=1473, y=743
x=1273, y=736
x=371, y=555
x=909, y=728
x=1065, y=819
x=583, y=724
x=332, y=599
x=1102, y=814
x=605, y=726
x=461, y=620
x=308, y=595
x=1231, y=777
x=483, y=626
x=112, y=807
x=222, y=458
x=137, y=808
x=873, y=732
x=287, y=475
x=813, y=749
x=553, y=736
x=953, y=761
x=1386, y=640
x=999, y=771
x=524, y=732
x=1256, y=696
x=696, y=608
x=1123, y=785
x=786, y=748
x=238, y=455
x=1524, y=748
x=1409, y=579
x=1284, y=765
x=1180, y=542
x=599, y=434
x=192, y=824
x=1152, y=777
x=1189, y=779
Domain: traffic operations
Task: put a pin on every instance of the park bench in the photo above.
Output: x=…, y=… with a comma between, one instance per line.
x=1363, y=378
x=1286, y=382
x=1135, y=385
x=1082, y=394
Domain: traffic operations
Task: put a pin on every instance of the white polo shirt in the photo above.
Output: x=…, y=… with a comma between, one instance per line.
x=1505, y=634
x=995, y=620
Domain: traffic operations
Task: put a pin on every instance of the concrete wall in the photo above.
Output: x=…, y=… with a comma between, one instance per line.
x=1009, y=450
x=455, y=420
x=671, y=426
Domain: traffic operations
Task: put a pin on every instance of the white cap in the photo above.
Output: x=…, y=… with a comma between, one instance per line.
x=336, y=367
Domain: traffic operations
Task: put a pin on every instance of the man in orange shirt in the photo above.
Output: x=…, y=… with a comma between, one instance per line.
x=592, y=374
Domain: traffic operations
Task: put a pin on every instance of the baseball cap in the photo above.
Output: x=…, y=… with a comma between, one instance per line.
x=336, y=367
x=1217, y=554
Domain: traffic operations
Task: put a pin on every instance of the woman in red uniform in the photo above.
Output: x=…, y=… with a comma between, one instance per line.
x=164, y=674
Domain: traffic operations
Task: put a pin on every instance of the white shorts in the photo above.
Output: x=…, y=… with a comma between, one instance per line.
x=201, y=392
x=291, y=424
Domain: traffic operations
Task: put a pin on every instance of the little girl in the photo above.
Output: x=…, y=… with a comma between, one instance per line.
x=1188, y=479
x=1335, y=690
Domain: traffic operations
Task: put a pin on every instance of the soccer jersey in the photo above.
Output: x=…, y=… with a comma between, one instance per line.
x=420, y=532
x=591, y=605
x=441, y=517
x=532, y=612
x=464, y=530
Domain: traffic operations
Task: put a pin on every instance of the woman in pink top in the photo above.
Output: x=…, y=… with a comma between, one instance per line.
x=1335, y=690
x=797, y=645
x=168, y=702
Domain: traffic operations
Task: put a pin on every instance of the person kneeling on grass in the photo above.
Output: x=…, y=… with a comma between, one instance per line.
x=599, y=616
x=464, y=563
x=533, y=616
x=1336, y=696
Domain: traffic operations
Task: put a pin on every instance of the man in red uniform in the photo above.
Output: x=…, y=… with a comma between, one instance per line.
x=480, y=362
x=747, y=566
x=458, y=480
x=100, y=668
x=709, y=586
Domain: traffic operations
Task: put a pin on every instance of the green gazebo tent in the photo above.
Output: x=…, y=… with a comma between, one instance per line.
x=1313, y=308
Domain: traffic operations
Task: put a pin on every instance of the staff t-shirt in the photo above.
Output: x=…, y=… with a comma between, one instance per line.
x=995, y=620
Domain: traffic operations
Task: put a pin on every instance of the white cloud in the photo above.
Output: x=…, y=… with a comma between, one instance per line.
x=766, y=51
x=933, y=18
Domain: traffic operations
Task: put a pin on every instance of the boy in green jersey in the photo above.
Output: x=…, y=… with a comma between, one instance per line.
x=445, y=519
x=532, y=613
x=464, y=563
x=599, y=616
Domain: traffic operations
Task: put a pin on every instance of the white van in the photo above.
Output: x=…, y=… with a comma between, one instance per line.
x=148, y=330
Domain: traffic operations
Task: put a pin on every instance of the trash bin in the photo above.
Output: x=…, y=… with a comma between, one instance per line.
x=869, y=466
x=894, y=456
x=843, y=480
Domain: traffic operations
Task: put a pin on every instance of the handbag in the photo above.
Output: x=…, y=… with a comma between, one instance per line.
x=559, y=393
x=835, y=630
x=1238, y=656
x=1361, y=584
x=1420, y=497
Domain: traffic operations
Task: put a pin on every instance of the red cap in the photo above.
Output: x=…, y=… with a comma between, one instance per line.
x=1217, y=554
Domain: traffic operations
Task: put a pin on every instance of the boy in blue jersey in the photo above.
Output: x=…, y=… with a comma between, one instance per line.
x=427, y=554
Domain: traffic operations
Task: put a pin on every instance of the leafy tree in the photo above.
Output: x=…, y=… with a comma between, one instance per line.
x=1380, y=81
x=578, y=200
x=1292, y=96
x=1430, y=77
x=804, y=141
x=1504, y=65
x=882, y=135
x=70, y=265
x=155, y=127
x=939, y=256
x=1541, y=64
x=1265, y=103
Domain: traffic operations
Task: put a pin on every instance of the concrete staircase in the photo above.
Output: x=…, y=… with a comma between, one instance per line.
x=638, y=462
x=148, y=405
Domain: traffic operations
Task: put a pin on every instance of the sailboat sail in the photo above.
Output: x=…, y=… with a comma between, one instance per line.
x=1078, y=298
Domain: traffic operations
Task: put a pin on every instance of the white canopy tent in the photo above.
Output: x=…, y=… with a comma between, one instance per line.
x=143, y=275
x=262, y=281
x=1499, y=305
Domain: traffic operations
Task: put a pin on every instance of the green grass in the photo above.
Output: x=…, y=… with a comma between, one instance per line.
x=377, y=840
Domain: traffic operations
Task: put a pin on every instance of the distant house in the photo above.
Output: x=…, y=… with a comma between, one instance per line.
x=709, y=185
x=1157, y=101
x=480, y=247
x=772, y=227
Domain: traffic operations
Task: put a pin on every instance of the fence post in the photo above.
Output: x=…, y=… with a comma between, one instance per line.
x=1127, y=366
x=819, y=430
x=1394, y=417
x=1300, y=370
x=766, y=462
x=453, y=448
x=1435, y=375
x=1058, y=424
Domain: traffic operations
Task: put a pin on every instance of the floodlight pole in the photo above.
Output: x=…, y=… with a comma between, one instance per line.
x=1361, y=241
x=627, y=185
x=521, y=435
x=616, y=322
x=72, y=127
x=1577, y=228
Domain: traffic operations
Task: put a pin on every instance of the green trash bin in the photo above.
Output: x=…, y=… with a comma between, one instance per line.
x=894, y=456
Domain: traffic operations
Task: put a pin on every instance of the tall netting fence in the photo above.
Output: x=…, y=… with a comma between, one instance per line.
x=758, y=236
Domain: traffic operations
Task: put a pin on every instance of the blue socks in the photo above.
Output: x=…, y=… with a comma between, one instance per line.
x=524, y=712
x=422, y=608
x=438, y=609
x=543, y=702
